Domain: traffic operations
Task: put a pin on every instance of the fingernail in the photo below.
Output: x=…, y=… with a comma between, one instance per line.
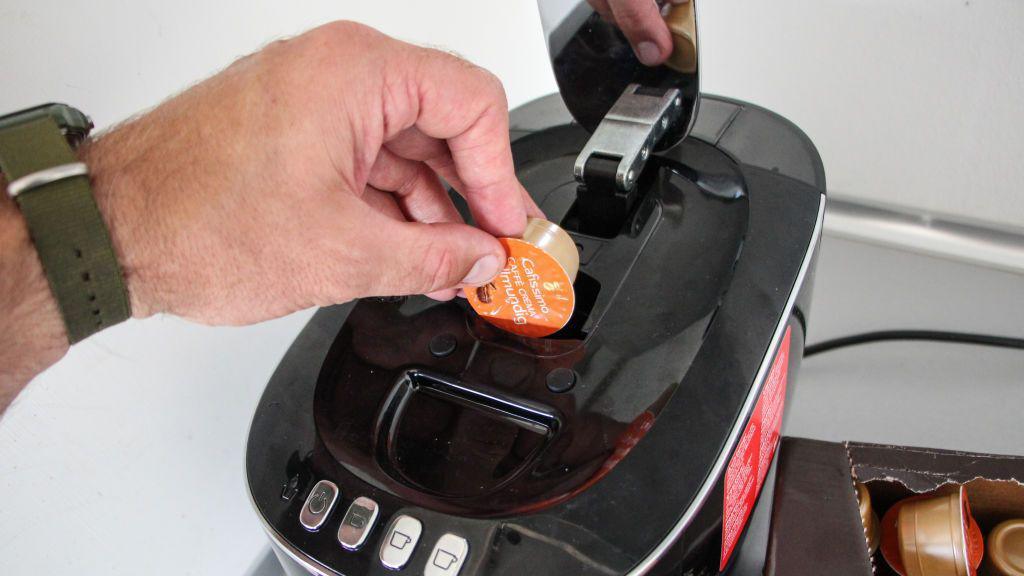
x=648, y=53
x=483, y=270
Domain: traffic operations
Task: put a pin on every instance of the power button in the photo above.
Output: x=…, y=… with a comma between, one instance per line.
x=318, y=505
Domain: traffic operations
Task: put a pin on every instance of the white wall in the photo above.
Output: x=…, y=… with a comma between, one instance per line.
x=915, y=103
x=127, y=456
x=112, y=58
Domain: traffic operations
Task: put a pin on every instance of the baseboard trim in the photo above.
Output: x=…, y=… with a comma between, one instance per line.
x=925, y=233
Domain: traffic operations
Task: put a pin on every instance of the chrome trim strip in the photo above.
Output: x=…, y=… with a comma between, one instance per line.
x=645, y=565
x=912, y=230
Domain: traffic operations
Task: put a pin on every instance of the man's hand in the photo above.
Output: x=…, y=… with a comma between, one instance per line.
x=642, y=24
x=306, y=174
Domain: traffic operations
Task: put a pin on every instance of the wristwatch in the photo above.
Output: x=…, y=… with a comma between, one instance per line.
x=51, y=187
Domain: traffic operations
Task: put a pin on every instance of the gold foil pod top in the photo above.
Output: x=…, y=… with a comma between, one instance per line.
x=552, y=239
x=868, y=518
x=1005, y=549
x=682, y=23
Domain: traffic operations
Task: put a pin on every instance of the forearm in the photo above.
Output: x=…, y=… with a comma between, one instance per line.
x=32, y=335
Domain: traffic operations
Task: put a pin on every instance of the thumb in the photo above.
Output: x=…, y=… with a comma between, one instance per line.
x=418, y=258
x=642, y=24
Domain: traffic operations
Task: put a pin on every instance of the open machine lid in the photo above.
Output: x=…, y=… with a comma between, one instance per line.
x=594, y=63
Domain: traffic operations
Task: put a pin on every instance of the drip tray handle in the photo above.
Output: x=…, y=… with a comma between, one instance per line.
x=527, y=414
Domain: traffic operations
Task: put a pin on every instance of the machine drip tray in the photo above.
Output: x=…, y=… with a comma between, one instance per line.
x=458, y=452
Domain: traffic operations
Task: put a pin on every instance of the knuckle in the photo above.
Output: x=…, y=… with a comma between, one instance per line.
x=338, y=31
x=496, y=86
x=451, y=56
x=629, y=21
x=428, y=56
x=437, y=268
x=630, y=14
x=331, y=42
x=485, y=77
x=492, y=80
x=306, y=68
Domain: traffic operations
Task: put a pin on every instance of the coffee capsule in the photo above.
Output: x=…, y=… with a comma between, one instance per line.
x=682, y=24
x=868, y=518
x=533, y=295
x=932, y=536
x=1004, y=551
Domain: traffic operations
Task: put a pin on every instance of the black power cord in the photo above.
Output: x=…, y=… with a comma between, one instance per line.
x=930, y=335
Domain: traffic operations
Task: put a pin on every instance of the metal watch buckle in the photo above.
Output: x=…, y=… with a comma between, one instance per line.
x=630, y=130
x=46, y=176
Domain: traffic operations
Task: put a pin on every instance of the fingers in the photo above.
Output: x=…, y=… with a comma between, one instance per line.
x=443, y=295
x=465, y=106
x=413, y=144
x=416, y=187
x=417, y=146
x=641, y=22
x=417, y=258
x=383, y=202
x=532, y=210
x=418, y=190
x=602, y=8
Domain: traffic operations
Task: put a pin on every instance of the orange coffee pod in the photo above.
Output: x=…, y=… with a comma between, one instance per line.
x=533, y=295
x=1004, y=552
x=932, y=536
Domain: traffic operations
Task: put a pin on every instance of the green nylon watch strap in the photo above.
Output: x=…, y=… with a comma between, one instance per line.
x=67, y=229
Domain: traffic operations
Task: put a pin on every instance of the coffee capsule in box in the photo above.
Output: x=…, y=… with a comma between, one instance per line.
x=932, y=536
x=1004, y=550
x=868, y=518
x=533, y=295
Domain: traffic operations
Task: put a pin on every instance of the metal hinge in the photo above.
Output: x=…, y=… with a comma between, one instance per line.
x=629, y=132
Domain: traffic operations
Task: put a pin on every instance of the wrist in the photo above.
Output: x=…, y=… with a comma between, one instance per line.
x=116, y=191
x=32, y=333
x=32, y=330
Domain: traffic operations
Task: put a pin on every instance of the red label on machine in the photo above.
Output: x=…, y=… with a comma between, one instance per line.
x=754, y=452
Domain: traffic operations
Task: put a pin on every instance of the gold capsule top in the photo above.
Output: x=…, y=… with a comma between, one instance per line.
x=868, y=518
x=1005, y=549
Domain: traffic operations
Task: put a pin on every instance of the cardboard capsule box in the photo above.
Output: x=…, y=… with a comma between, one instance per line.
x=817, y=525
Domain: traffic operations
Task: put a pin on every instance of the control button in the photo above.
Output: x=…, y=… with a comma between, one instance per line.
x=357, y=523
x=399, y=542
x=561, y=380
x=318, y=505
x=447, y=557
x=443, y=345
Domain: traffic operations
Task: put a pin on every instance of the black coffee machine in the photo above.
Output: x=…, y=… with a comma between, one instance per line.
x=404, y=435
